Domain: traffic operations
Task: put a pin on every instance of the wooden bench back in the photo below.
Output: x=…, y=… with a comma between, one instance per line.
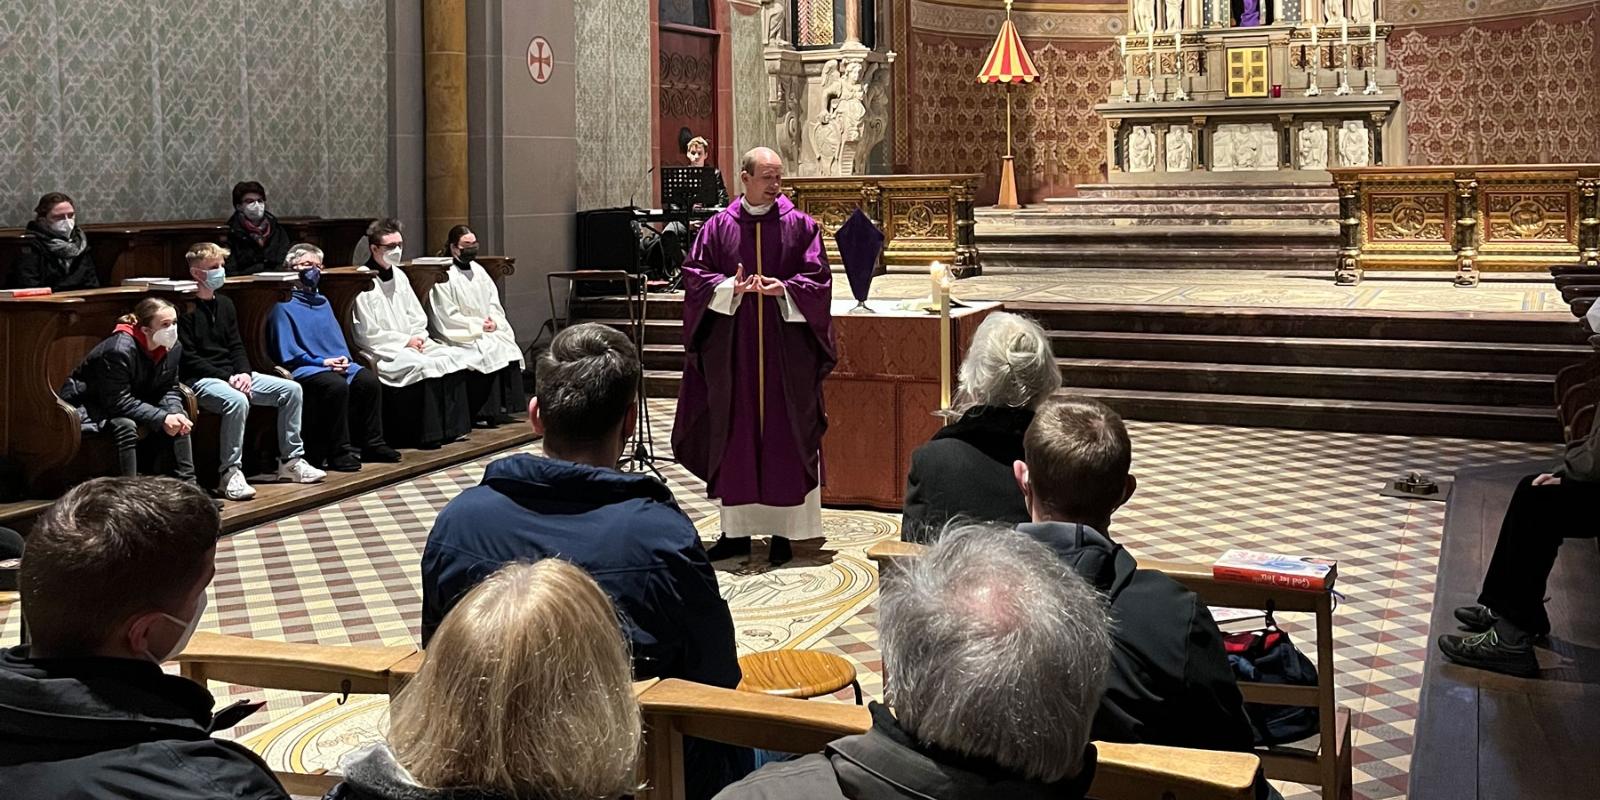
x=1328, y=765
x=673, y=709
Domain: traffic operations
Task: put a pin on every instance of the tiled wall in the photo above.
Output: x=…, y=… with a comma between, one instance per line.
x=613, y=114
x=152, y=109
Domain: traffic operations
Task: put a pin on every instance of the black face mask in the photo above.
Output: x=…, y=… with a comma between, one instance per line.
x=467, y=254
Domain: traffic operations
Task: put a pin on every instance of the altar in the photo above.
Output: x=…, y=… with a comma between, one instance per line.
x=1213, y=92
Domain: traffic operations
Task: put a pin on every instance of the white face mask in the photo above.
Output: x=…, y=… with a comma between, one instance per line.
x=188, y=632
x=63, y=227
x=392, y=256
x=254, y=211
x=166, y=337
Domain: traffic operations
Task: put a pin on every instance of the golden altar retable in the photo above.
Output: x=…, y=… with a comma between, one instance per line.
x=924, y=218
x=1469, y=218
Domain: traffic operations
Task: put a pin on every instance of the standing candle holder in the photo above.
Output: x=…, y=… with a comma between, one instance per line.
x=1371, y=68
x=1344, y=74
x=1127, y=69
x=1313, y=65
x=1150, y=56
x=1177, y=58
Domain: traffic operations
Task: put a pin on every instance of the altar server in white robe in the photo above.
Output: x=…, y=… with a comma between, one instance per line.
x=424, y=381
x=466, y=311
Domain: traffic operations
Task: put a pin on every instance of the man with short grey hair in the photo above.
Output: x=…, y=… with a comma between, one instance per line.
x=995, y=654
x=1170, y=681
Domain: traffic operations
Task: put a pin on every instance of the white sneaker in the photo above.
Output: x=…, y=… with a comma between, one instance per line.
x=234, y=486
x=296, y=470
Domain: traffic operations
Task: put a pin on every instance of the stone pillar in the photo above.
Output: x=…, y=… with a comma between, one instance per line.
x=1161, y=145
x=444, y=63
x=852, y=22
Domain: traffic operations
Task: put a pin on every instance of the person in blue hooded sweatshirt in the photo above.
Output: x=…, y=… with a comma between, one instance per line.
x=304, y=338
x=623, y=528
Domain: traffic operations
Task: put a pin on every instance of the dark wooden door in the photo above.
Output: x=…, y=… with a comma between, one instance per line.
x=688, y=98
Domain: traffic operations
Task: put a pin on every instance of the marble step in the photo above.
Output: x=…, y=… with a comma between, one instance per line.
x=1129, y=190
x=1311, y=206
x=1441, y=387
x=1512, y=357
x=1258, y=218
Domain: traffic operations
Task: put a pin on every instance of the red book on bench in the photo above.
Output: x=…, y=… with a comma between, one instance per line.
x=36, y=292
x=1272, y=569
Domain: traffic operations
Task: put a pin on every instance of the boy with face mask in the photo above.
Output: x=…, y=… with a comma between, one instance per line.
x=115, y=583
x=257, y=242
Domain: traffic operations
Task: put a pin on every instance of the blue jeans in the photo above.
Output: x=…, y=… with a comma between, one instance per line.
x=233, y=407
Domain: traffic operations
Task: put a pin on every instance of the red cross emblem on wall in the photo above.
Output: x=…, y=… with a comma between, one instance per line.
x=541, y=61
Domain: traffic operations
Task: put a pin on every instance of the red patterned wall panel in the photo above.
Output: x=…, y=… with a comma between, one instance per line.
x=958, y=125
x=1507, y=91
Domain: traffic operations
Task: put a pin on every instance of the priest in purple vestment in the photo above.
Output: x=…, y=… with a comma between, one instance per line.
x=758, y=336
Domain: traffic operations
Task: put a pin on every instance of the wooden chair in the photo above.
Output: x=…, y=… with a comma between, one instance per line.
x=674, y=709
x=1328, y=763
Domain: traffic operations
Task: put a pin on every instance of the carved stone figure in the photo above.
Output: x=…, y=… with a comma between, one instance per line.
x=837, y=137
x=786, y=113
x=1354, y=144
x=1244, y=147
x=775, y=13
x=1174, y=9
x=876, y=127
x=1144, y=16
x=1180, y=148
x=1141, y=149
x=1333, y=11
x=1361, y=11
x=1312, y=146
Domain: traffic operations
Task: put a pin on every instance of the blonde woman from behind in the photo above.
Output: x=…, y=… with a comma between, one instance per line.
x=526, y=692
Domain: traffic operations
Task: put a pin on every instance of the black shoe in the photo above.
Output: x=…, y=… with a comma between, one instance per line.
x=1476, y=619
x=501, y=419
x=382, y=453
x=779, y=552
x=728, y=548
x=1489, y=651
x=344, y=463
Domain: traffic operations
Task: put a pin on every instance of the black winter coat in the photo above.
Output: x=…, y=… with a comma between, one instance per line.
x=112, y=727
x=247, y=257
x=37, y=267
x=1170, y=682
x=119, y=379
x=965, y=471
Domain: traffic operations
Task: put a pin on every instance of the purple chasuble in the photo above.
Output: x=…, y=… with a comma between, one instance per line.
x=718, y=434
x=1251, y=17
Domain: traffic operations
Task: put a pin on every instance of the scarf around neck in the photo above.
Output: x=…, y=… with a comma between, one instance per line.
x=70, y=247
x=260, y=232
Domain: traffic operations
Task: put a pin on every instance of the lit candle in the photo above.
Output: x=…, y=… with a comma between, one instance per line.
x=935, y=277
x=1344, y=30
x=1313, y=37
x=944, y=346
x=1372, y=32
x=1123, y=42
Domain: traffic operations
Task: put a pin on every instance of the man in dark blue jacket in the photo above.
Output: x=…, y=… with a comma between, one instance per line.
x=623, y=528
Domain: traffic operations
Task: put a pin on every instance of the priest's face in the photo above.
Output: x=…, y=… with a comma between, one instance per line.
x=764, y=186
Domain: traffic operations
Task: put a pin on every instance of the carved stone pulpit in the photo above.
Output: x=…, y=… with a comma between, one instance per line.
x=830, y=102
x=1220, y=91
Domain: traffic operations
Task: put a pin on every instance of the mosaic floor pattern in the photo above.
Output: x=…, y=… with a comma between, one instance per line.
x=347, y=573
x=1244, y=288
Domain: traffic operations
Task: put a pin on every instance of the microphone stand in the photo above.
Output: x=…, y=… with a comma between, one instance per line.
x=642, y=179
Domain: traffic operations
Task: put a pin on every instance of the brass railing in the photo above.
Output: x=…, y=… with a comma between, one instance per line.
x=1467, y=218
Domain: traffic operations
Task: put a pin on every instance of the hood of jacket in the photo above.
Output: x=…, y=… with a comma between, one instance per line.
x=1093, y=555
x=996, y=431
x=531, y=479
x=373, y=773
x=93, y=704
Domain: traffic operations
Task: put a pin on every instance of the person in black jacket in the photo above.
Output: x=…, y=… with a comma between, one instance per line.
x=966, y=470
x=114, y=584
x=127, y=386
x=56, y=253
x=551, y=711
x=623, y=527
x=256, y=242
x=1170, y=681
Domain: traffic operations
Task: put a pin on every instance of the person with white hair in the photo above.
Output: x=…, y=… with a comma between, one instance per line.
x=995, y=655
x=304, y=338
x=965, y=471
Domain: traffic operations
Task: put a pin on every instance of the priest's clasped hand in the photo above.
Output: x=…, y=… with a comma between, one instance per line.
x=760, y=284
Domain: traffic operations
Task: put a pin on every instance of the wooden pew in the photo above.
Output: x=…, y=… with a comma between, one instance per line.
x=674, y=708
x=42, y=339
x=1329, y=763
x=155, y=249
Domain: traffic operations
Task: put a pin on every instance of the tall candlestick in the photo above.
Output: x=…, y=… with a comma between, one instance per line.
x=1313, y=37
x=1122, y=41
x=935, y=274
x=1372, y=32
x=1344, y=31
x=944, y=347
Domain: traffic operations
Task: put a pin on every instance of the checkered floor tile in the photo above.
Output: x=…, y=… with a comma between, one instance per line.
x=347, y=573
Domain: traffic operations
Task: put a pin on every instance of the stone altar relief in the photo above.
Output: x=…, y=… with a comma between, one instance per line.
x=1354, y=144
x=1180, y=148
x=1362, y=11
x=784, y=97
x=1141, y=149
x=1144, y=16
x=1247, y=146
x=775, y=18
x=1333, y=11
x=1174, y=15
x=1311, y=147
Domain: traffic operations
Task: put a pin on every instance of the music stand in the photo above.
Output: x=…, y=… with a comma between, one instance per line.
x=683, y=188
x=640, y=452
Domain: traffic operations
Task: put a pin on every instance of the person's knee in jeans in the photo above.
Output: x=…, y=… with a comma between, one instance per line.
x=124, y=435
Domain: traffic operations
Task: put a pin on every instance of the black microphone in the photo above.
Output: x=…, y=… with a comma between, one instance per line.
x=642, y=179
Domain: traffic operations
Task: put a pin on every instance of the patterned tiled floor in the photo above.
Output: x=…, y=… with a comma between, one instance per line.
x=347, y=573
x=1244, y=288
